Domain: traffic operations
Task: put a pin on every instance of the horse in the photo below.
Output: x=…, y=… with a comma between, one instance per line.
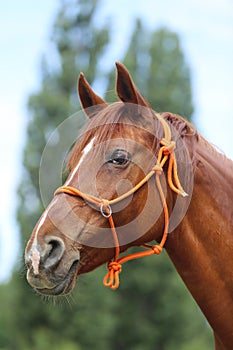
x=136, y=177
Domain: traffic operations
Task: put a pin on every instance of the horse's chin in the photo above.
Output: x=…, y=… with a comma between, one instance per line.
x=63, y=287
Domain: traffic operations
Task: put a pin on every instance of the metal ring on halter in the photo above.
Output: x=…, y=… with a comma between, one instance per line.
x=103, y=211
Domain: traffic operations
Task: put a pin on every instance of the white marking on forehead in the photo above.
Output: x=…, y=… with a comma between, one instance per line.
x=86, y=149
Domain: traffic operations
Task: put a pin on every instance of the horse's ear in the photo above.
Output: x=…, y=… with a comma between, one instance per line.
x=89, y=98
x=126, y=89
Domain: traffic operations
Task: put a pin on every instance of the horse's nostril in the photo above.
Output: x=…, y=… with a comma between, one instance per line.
x=55, y=250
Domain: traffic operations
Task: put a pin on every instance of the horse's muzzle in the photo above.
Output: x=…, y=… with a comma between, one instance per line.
x=50, y=270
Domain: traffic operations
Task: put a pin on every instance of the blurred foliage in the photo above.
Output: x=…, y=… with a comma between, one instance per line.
x=157, y=64
x=152, y=309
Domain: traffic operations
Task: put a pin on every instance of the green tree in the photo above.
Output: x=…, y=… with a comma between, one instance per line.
x=151, y=310
x=158, y=66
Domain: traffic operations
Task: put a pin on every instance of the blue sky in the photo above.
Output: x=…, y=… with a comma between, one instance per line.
x=206, y=33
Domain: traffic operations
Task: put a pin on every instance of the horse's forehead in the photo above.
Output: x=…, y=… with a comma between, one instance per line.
x=119, y=131
x=128, y=140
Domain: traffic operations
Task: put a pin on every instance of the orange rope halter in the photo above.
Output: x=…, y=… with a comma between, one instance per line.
x=166, y=153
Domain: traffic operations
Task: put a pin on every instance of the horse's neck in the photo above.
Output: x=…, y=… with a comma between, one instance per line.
x=201, y=248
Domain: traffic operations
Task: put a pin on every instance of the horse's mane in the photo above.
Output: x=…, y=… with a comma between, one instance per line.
x=182, y=125
x=187, y=129
x=215, y=152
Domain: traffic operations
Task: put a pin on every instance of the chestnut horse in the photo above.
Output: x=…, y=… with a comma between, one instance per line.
x=129, y=173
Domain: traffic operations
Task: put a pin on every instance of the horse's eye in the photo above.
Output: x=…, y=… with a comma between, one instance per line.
x=119, y=157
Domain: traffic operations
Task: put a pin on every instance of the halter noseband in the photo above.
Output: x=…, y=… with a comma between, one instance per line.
x=166, y=153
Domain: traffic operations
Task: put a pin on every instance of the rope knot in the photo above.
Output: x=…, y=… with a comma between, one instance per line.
x=169, y=146
x=157, y=249
x=114, y=266
x=111, y=279
x=157, y=169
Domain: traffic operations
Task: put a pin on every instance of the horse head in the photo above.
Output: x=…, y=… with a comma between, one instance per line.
x=109, y=200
